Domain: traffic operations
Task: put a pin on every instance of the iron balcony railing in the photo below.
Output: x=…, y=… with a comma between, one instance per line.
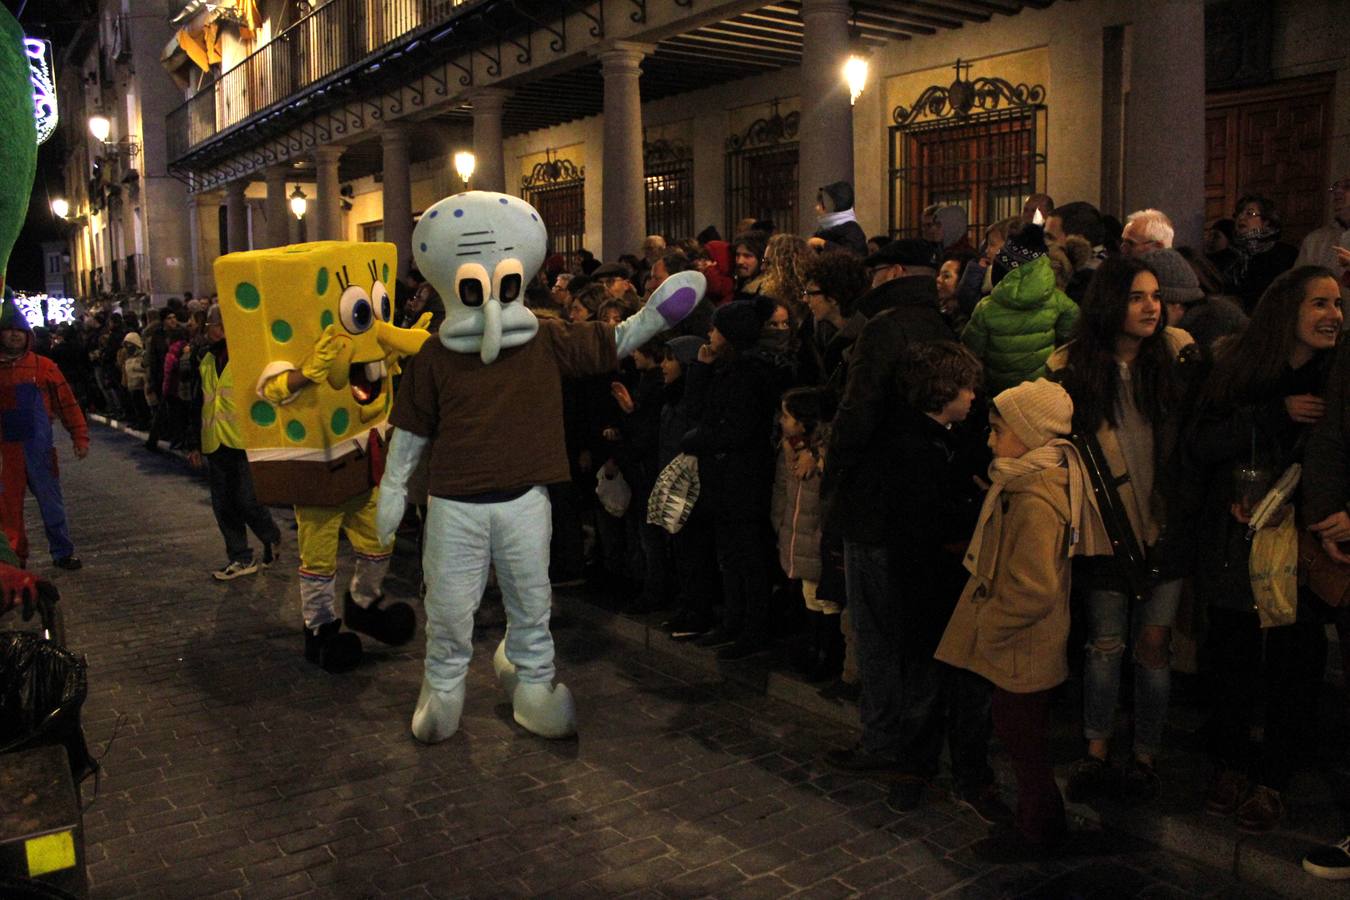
x=338, y=34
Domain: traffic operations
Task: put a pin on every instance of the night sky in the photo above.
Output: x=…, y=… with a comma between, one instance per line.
x=55, y=20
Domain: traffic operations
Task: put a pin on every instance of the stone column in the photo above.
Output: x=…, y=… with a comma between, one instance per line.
x=489, y=171
x=397, y=193
x=623, y=217
x=277, y=207
x=825, y=135
x=328, y=204
x=236, y=216
x=204, y=225
x=1164, y=143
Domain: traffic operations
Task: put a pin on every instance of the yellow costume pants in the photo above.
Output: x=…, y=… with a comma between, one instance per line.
x=320, y=528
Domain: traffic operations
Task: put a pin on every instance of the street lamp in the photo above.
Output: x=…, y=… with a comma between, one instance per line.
x=299, y=203
x=855, y=76
x=61, y=207
x=100, y=128
x=464, y=164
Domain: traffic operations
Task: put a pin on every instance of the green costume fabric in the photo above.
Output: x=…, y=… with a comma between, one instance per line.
x=1015, y=329
x=18, y=135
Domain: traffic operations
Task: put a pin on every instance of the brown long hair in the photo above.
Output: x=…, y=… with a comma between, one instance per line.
x=1249, y=364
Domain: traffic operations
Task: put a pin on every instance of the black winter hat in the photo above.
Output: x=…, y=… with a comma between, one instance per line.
x=836, y=196
x=1026, y=246
x=741, y=321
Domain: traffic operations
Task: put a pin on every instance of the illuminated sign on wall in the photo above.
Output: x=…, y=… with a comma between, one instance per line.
x=59, y=310
x=39, y=54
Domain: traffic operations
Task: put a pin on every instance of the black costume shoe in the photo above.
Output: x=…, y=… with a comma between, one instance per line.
x=392, y=625
x=69, y=563
x=332, y=648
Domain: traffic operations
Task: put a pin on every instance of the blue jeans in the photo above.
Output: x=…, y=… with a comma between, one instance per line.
x=871, y=607
x=1108, y=614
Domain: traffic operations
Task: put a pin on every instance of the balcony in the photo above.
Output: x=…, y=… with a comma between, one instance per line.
x=335, y=37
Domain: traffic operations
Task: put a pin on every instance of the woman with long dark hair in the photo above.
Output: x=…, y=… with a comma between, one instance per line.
x=1121, y=370
x=1261, y=399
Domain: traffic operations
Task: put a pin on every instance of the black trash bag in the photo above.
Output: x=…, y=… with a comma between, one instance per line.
x=42, y=690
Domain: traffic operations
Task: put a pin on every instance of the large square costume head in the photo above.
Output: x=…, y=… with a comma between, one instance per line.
x=276, y=305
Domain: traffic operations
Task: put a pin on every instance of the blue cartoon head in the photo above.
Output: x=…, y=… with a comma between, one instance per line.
x=479, y=249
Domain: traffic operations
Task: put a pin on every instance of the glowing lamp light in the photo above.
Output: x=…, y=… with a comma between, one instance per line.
x=61, y=207
x=855, y=76
x=100, y=128
x=299, y=202
x=464, y=165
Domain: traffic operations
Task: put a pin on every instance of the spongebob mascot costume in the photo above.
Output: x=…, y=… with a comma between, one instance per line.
x=486, y=401
x=310, y=336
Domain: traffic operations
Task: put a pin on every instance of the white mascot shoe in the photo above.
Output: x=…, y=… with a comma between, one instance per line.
x=546, y=711
x=437, y=715
x=505, y=669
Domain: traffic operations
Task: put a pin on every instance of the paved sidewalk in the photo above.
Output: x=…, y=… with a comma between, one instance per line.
x=236, y=769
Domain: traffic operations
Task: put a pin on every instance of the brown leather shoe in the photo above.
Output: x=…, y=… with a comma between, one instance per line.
x=1261, y=811
x=1226, y=793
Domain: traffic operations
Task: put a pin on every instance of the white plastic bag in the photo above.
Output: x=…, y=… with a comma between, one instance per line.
x=614, y=493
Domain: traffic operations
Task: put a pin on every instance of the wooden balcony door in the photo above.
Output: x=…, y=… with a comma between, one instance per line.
x=1270, y=140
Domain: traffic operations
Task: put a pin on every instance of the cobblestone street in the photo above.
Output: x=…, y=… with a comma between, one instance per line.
x=235, y=769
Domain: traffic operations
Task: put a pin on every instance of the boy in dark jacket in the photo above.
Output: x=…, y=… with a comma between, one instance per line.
x=735, y=391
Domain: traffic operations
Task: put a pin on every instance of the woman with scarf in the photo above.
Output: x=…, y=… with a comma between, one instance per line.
x=838, y=228
x=1257, y=240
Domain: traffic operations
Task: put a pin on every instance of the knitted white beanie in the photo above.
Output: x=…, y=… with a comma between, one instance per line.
x=1036, y=411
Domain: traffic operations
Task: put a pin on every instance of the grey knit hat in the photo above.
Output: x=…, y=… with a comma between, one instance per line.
x=1176, y=279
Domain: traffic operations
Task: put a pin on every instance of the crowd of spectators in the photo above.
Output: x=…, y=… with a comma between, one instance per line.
x=844, y=398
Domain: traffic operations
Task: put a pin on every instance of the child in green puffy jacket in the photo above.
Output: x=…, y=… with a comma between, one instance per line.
x=1015, y=329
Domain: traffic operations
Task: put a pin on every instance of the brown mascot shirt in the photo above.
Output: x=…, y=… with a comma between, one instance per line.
x=499, y=427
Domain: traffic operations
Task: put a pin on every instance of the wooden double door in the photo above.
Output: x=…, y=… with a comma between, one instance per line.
x=1270, y=140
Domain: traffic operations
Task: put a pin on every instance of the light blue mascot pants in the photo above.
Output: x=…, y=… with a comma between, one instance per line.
x=462, y=540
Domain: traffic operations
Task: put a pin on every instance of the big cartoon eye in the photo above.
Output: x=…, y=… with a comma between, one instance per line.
x=355, y=311
x=509, y=278
x=379, y=301
x=471, y=284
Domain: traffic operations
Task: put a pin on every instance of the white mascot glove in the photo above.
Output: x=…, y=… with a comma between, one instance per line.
x=405, y=450
x=665, y=308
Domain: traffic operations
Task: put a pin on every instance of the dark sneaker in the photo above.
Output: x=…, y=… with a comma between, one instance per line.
x=1140, y=783
x=1331, y=861
x=235, y=569
x=988, y=805
x=686, y=628
x=856, y=759
x=839, y=689
x=718, y=637
x=1226, y=793
x=69, y=563
x=743, y=648
x=271, y=553
x=1090, y=779
x=907, y=794
x=1261, y=811
x=1008, y=846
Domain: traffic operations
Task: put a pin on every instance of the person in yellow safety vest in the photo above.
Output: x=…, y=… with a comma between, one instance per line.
x=232, y=498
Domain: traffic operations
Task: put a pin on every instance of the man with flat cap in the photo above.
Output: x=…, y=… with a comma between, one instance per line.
x=901, y=308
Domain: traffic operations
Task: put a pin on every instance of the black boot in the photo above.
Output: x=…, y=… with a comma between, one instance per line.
x=332, y=648
x=393, y=625
x=806, y=656
x=831, y=661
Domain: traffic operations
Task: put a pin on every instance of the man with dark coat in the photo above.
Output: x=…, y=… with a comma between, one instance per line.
x=838, y=225
x=901, y=308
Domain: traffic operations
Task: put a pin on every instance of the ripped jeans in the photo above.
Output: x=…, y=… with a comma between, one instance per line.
x=1108, y=613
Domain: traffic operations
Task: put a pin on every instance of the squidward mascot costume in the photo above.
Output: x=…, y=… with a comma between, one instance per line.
x=486, y=401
